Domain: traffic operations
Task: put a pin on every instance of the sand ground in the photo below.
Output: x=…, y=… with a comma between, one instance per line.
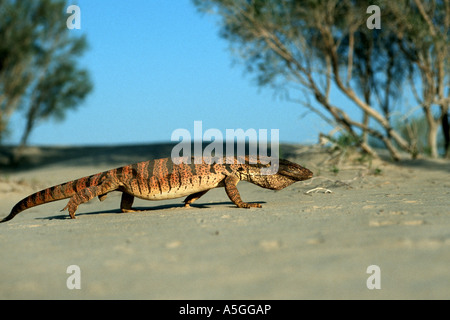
x=312, y=240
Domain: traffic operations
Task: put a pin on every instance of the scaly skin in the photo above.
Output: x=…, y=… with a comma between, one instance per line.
x=166, y=179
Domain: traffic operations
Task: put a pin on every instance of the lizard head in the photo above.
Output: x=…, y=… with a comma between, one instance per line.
x=288, y=173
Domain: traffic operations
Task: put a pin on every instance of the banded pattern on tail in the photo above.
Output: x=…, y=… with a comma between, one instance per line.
x=54, y=193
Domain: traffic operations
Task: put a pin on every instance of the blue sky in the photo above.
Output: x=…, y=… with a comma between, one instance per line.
x=158, y=66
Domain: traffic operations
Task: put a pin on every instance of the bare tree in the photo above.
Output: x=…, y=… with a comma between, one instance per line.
x=311, y=45
x=422, y=30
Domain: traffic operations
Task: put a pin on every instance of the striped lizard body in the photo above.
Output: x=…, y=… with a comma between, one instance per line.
x=166, y=179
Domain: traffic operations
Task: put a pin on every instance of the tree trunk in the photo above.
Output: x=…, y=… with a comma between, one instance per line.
x=31, y=117
x=446, y=132
x=27, y=131
x=432, y=138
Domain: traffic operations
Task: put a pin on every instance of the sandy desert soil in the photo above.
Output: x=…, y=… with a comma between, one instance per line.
x=312, y=240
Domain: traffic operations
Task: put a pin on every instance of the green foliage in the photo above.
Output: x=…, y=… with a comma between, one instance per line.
x=414, y=129
x=334, y=169
x=346, y=140
x=39, y=74
x=377, y=172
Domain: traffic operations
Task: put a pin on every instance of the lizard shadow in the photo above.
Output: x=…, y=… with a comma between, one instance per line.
x=163, y=207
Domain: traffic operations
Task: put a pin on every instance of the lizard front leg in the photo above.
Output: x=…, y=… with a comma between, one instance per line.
x=126, y=202
x=233, y=193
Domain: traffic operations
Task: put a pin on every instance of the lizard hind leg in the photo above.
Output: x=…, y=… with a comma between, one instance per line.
x=87, y=194
x=193, y=197
x=78, y=198
x=102, y=197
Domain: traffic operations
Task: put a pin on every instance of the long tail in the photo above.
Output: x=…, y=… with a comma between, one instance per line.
x=58, y=192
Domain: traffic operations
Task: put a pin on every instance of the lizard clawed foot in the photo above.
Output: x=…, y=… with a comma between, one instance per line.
x=249, y=205
x=129, y=210
x=71, y=209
